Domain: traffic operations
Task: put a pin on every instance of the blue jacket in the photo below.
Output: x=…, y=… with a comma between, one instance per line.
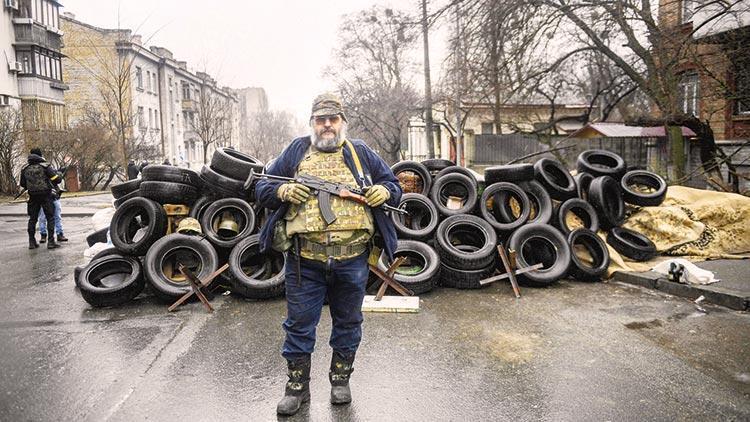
x=376, y=172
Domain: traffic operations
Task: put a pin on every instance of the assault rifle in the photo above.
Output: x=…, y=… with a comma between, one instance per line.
x=324, y=191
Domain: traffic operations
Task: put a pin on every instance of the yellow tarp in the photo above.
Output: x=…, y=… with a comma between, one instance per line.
x=693, y=223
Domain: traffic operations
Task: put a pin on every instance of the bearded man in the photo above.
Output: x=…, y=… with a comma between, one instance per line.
x=326, y=259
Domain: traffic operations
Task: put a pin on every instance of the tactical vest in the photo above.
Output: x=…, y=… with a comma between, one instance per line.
x=36, y=179
x=354, y=223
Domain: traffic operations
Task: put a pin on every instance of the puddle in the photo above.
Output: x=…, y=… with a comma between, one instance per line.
x=639, y=325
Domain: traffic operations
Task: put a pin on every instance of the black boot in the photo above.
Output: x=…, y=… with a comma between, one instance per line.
x=51, y=243
x=61, y=238
x=297, y=389
x=32, y=242
x=42, y=238
x=341, y=368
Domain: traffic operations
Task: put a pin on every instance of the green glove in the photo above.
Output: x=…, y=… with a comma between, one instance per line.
x=293, y=192
x=376, y=195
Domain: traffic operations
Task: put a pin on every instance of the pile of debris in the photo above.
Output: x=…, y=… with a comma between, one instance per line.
x=539, y=213
x=174, y=216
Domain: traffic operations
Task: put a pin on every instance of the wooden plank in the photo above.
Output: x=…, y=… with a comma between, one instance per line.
x=391, y=304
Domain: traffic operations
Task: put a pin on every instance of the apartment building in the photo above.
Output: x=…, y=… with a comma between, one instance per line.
x=31, y=75
x=170, y=108
x=252, y=100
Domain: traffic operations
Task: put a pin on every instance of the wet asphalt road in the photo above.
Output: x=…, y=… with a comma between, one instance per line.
x=573, y=352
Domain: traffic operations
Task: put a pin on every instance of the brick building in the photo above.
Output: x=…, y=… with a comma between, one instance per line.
x=714, y=72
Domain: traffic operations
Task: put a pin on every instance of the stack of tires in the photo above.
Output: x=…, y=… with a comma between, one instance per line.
x=144, y=252
x=538, y=210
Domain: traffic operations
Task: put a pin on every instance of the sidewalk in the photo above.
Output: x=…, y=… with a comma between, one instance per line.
x=733, y=291
x=72, y=206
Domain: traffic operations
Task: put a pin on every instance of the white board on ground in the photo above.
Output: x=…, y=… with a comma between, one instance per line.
x=408, y=304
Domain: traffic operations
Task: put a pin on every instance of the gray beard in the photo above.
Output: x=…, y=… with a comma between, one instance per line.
x=328, y=145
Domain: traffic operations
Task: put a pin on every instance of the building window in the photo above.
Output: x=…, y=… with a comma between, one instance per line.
x=742, y=85
x=26, y=59
x=488, y=128
x=141, y=118
x=688, y=90
x=148, y=81
x=185, y=91
x=687, y=9
x=155, y=86
x=138, y=77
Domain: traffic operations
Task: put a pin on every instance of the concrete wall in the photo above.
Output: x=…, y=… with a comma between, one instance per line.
x=8, y=79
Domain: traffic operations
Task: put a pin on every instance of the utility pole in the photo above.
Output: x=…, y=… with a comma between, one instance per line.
x=457, y=49
x=427, y=85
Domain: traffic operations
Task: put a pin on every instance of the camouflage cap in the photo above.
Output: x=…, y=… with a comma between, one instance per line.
x=189, y=225
x=327, y=104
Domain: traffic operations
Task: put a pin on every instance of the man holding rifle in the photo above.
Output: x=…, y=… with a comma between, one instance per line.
x=326, y=257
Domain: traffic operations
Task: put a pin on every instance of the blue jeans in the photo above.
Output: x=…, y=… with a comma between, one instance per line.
x=58, y=220
x=344, y=282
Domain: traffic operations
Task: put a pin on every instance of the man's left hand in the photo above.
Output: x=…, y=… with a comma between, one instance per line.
x=376, y=195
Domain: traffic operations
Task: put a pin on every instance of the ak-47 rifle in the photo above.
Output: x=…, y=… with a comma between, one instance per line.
x=324, y=191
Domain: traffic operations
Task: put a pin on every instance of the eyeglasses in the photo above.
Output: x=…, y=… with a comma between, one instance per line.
x=321, y=120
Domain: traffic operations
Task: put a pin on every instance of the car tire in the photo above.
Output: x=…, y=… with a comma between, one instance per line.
x=417, y=168
x=121, y=200
x=242, y=213
x=600, y=162
x=457, y=169
x=540, y=204
x=169, y=192
x=466, y=242
x=606, y=198
x=99, y=236
x=265, y=279
x=498, y=196
x=417, y=254
x=646, y=178
x=540, y=243
x=235, y=164
x=581, y=209
x=434, y=165
x=555, y=178
x=199, y=206
x=422, y=220
x=124, y=188
x=513, y=173
x=125, y=225
x=458, y=183
x=193, y=251
x=99, y=294
x=164, y=173
x=220, y=186
x=583, y=181
x=595, y=247
x=464, y=279
x=631, y=244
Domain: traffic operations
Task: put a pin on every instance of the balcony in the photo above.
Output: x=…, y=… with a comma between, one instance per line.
x=35, y=87
x=188, y=105
x=29, y=32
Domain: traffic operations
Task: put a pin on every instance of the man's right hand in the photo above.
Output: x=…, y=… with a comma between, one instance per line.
x=293, y=192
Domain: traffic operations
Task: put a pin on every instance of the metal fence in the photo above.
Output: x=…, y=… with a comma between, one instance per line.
x=500, y=149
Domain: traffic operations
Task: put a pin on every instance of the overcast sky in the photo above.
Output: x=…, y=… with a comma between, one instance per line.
x=280, y=45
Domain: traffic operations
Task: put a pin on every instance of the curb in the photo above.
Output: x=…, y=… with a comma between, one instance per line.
x=714, y=294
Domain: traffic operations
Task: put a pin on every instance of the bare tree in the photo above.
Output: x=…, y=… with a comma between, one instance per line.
x=373, y=74
x=11, y=147
x=211, y=121
x=268, y=132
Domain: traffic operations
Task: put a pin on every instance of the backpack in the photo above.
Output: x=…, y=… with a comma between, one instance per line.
x=36, y=179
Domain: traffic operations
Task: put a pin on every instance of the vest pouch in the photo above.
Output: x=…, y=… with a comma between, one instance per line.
x=281, y=242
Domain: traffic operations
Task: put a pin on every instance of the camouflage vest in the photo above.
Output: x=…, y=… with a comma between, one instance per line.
x=36, y=179
x=354, y=223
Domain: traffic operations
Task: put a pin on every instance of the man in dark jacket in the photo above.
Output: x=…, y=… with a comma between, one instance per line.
x=37, y=177
x=132, y=170
x=327, y=260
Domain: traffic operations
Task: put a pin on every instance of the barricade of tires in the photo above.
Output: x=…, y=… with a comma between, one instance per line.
x=539, y=210
x=147, y=252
